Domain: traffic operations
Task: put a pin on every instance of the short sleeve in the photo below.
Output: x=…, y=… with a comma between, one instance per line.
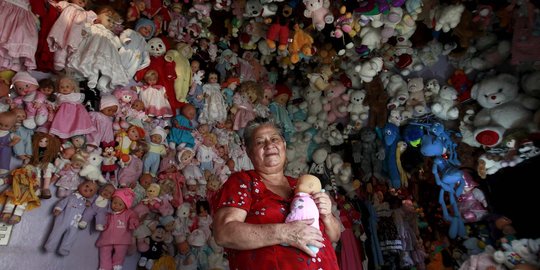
x=235, y=192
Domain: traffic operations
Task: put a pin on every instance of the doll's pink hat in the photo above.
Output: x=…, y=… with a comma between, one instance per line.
x=126, y=195
x=23, y=76
x=108, y=101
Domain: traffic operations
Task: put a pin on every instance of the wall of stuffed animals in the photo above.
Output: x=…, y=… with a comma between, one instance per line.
x=420, y=117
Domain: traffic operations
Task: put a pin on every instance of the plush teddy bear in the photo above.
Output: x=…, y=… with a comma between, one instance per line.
x=318, y=11
x=301, y=45
x=527, y=249
x=254, y=8
x=298, y=163
x=444, y=104
x=446, y=17
x=369, y=69
x=335, y=102
x=313, y=105
x=391, y=20
x=416, y=104
x=396, y=88
x=371, y=37
x=508, y=256
x=502, y=108
x=357, y=110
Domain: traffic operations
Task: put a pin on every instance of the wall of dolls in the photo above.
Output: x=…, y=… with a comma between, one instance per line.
x=416, y=115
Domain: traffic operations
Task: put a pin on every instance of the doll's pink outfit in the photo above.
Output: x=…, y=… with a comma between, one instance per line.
x=155, y=102
x=303, y=207
x=246, y=111
x=39, y=115
x=69, y=180
x=71, y=119
x=18, y=36
x=215, y=108
x=66, y=33
x=104, y=129
x=179, y=181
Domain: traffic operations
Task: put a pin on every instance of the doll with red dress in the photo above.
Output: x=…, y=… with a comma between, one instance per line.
x=33, y=101
x=109, y=166
x=47, y=14
x=154, y=96
x=71, y=117
x=67, y=32
x=102, y=120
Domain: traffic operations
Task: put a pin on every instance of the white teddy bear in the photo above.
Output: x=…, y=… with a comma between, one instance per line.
x=416, y=104
x=358, y=112
x=369, y=69
x=444, y=104
x=92, y=169
x=446, y=17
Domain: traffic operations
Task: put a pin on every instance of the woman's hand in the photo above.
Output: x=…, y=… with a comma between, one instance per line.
x=300, y=234
x=324, y=204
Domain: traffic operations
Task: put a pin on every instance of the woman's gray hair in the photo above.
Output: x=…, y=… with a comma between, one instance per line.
x=255, y=124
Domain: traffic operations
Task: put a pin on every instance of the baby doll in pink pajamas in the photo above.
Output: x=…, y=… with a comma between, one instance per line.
x=34, y=101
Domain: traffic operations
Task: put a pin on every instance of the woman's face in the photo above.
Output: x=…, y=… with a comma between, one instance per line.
x=268, y=150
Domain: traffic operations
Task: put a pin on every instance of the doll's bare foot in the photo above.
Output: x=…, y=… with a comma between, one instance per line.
x=45, y=193
x=14, y=219
x=6, y=217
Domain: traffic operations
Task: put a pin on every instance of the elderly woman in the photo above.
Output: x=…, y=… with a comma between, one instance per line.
x=251, y=208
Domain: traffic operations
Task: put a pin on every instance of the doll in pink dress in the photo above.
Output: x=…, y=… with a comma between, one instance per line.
x=71, y=118
x=154, y=96
x=215, y=108
x=103, y=121
x=170, y=170
x=244, y=103
x=66, y=33
x=33, y=100
x=125, y=97
x=18, y=36
x=69, y=176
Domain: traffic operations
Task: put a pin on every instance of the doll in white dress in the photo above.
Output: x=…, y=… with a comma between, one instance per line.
x=154, y=96
x=215, y=108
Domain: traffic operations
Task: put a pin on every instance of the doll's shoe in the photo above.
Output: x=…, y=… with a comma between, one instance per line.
x=83, y=224
x=14, y=220
x=29, y=123
x=46, y=193
x=99, y=227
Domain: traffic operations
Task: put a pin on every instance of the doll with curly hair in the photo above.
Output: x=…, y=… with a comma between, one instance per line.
x=243, y=109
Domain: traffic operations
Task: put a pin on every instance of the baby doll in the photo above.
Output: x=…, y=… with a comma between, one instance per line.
x=151, y=203
x=99, y=209
x=278, y=109
x=127, y=140
x=244, y=103
x=69, y=178
x=185, y=259
x=154, y=96
x=23, y=149
x=203, y=220
x=206, y=153
x=169, y=170
x=182, y=128
x=137, y=114
x=102, y=120
x=109, y=166
x=141, y=186
x=79, y=142
x=47, y=87
x=71, y=118
x=132, y=167
x=228, y=88
x=45, y=148
x=133, y=53
x=215, y=108
x=21, y=196
x=303, y=206
x=190, y=165
x=114, y=241
x=8, y=139
x=104, y=70
x=156, y=151
x=68, y=212
x=66, y=33
x=26, y=87
x=199, y=133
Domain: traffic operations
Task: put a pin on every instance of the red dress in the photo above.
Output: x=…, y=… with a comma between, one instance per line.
x=245, y=190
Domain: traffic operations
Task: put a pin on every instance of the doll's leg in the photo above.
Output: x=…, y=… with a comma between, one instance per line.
x=7, y=212
x=101, y=218
x=119, y=255
x=68, y=240
x=105, y=257
x=87, y=216
x=55, y=235
x=62, y=192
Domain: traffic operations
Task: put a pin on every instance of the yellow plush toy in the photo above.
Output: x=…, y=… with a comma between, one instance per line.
x=302, y=43
x=180, y=56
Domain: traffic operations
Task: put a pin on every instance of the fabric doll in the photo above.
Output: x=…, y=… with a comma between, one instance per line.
x=133, y=53
x=21, y=195
x=45, y=148
x=182, y=128
x=8, y=139
x=102, y=120
x=244, y=103
x=99, y=209
x=131, y=168
x=67, y=32
x=303, y=206
x=151, y=203
x=206, y=154
x=109, y=166
x=114, y=241
x=278, y=109
x=104, y=70
x=154, y=96
x=215, y=108
x=170, y=170
x=47, y=88
x=19, y=36
x=68, y=211
x=125, y=97
x=69, y=178
x=26, y=87
x=127, y=140
x=156, y=151
x=71, y=118
x=156, y=248
x=23, y=148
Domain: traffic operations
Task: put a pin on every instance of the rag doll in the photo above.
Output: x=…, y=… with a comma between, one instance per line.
x=71, y=117
x=19, y=36
x=169, y=170
x=104, y=70
x=67, y=32
x=102, y=120
x=215, y=108
x=125, y=97
x=109, y=166
x=156, y=150
x=115, y=239
x=228, y=88
x=68, y=212
x=69, y=179
x=182, y=127
x=99, y=209
x=45, y=148
x=47, y=88
x=131, y=167
x=244, y=103
x=8, y=139
x=23, y=148
x=26, y=87
x=128, y=139
x=156, y=248
x=303, y=206
x=21, y=195
x=154, y=96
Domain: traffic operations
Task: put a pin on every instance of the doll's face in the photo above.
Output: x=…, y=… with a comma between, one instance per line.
x=106, y=20
x=222, y=151
x=151, y=79
x=110, y=111
x=138, y=105
x=77, y=164
x=202, y=211
x=212, y=78
x=43, y=142
x=203, y=43
x=107, y=191
x=183, y=247
x=156, y=138
x=78, y=141
x=47, y=90
x=108, y=152
x=252, y=96
x=67, y=153
x=169, y=227
x=8, y=122
x=117, y=205
x=24, y=88
x=65, y=86
x=186, y=157
x=158, y=234
x=20, y=115
x=233, y=86
x=203, y=128
x=308, y=184
x=192, y=187
x=87, y=189
x=80, y=3
x=145, y=181
x=188, y=111
x=126, y=98
x=282, y=99
x=133, y=134
x=145, y=31
x=209, y=141
x=153, y=191
x=140, y=5
x=195, y=66
x=138, y=153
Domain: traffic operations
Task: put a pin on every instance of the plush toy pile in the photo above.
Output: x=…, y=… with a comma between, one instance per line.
x=144, y=104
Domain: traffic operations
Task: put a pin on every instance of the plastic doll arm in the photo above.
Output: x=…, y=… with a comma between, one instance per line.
x=57, y=211
x=16, y=139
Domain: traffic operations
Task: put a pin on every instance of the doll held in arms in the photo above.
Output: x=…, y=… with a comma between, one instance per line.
x=303, y=206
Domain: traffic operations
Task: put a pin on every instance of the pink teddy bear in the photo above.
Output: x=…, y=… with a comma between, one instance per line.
x=34, y=101
x=336, y=102
x=318, y=11
x=125, y=97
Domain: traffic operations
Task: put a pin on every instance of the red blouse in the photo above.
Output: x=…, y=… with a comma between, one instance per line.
x=245, y=190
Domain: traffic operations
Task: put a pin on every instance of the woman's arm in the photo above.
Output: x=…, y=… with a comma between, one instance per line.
x=231, y=231
x=325, y=210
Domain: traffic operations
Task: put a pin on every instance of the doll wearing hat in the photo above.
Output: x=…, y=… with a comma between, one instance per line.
x=133, y=53
x=26, y=87
x=170, y=170
x=114, y=241
x=156, y=150
x=103, y=121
